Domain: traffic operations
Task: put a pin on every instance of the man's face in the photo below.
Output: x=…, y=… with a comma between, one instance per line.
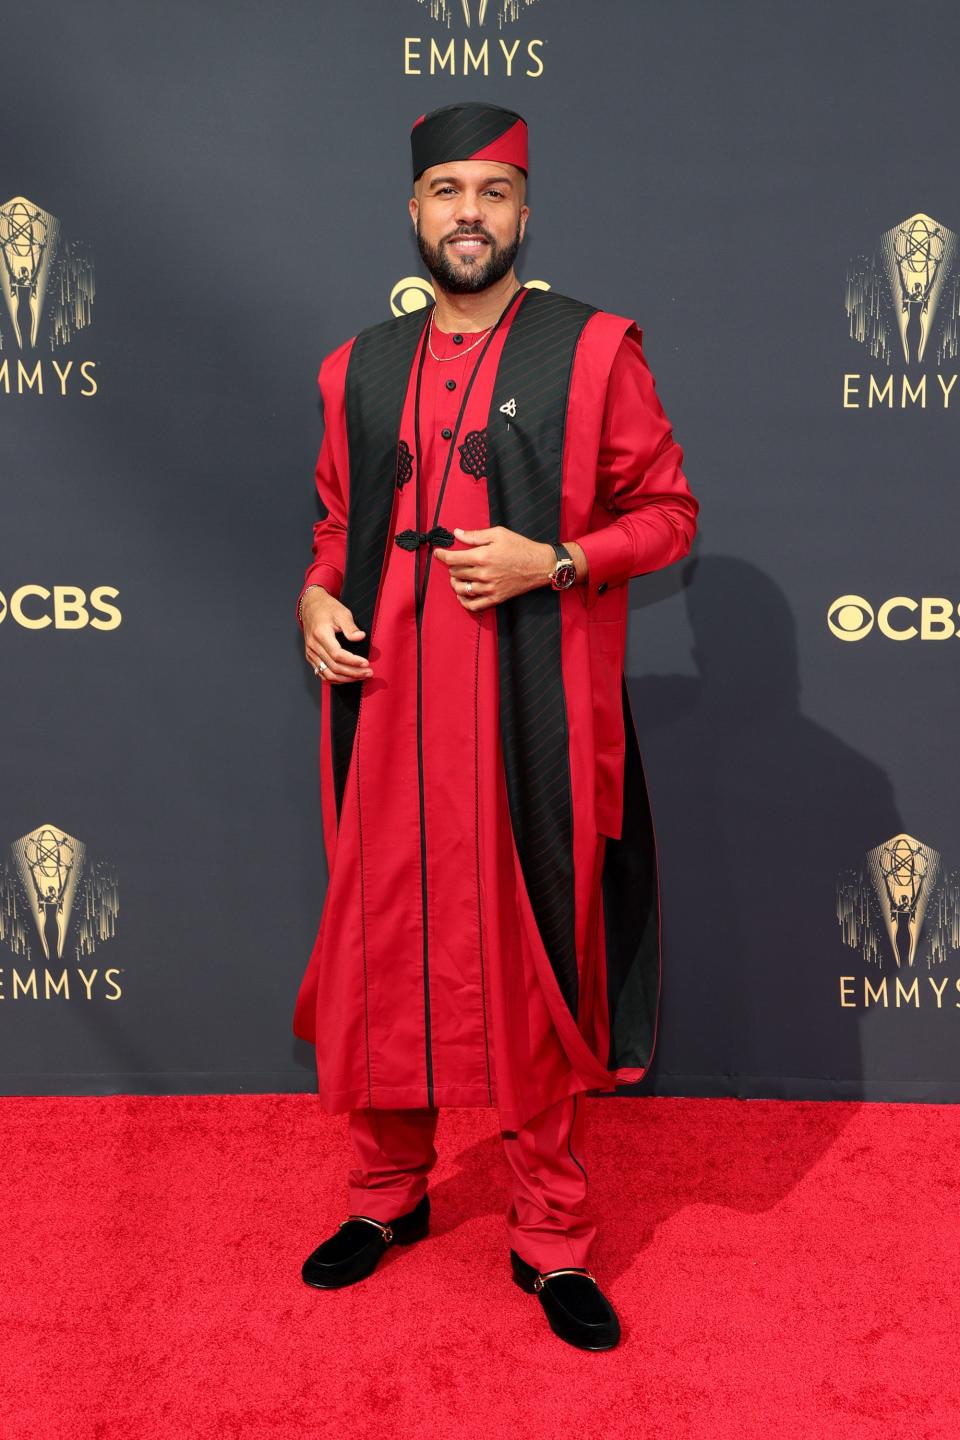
x=470, y=217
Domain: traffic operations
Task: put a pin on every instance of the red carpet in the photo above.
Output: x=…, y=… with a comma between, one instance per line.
x=781, y=1270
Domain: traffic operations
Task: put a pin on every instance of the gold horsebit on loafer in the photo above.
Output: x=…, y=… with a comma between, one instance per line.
x=385, y=1230
x=546, y=1275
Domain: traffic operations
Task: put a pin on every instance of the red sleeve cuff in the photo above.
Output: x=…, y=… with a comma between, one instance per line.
x=610, y=556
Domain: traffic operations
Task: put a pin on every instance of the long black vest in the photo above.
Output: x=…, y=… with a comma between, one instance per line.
x=524, y=462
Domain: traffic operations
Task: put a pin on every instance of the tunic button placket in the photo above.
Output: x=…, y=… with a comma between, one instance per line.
x=444, y=413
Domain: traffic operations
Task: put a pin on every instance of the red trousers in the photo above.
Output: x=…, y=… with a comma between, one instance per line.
x=545, y=1221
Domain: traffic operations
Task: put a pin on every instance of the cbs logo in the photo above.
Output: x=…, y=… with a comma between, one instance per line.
x=65, y=607
x=413, y=293
x=932, y=618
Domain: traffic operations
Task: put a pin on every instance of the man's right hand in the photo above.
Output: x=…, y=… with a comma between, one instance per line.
x=323, y=616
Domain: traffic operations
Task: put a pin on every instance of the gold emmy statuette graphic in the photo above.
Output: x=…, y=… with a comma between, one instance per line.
x=50, y=862
x=52, y=886
x=904, y=873
x=506, y=11
x=908, y=290
x=900, y=895
x=29, y=237
x=919, y=254
x=43, y=270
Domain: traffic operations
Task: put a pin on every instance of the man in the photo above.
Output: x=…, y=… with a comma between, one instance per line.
x=494, y=470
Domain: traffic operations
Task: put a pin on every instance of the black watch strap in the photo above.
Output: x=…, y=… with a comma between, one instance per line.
x=564, y=573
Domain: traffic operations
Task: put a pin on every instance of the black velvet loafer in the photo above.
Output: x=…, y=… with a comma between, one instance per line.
x=576, y=1307
x=357, y=1245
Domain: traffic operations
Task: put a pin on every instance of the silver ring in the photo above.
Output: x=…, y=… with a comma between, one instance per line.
x=321, y=665
x=469, y=587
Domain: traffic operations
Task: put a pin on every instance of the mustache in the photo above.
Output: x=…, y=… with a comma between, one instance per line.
x=475, y=234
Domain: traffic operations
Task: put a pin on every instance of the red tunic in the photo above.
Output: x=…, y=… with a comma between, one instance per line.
x=470, y=1012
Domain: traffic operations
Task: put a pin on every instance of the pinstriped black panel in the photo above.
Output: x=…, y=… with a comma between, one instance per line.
x=376, y=386
x=524, y=461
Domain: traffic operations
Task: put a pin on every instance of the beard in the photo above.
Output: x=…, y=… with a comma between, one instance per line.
x=471, y=273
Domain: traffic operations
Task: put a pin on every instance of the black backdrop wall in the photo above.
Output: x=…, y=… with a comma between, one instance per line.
x=198, y=202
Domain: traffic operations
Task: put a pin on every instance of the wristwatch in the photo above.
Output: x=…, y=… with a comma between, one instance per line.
x=564, y=573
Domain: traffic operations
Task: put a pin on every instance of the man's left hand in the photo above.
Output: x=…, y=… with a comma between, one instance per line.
x=499, y=564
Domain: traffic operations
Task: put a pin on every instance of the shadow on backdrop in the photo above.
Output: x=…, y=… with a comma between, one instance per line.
x=758, y=808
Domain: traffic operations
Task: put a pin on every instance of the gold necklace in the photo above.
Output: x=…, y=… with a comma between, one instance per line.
x=444, y=358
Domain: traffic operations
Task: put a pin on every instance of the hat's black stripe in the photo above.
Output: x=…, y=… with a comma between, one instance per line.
x=457, y=132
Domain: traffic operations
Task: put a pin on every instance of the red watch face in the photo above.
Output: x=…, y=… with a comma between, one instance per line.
x=565, y=576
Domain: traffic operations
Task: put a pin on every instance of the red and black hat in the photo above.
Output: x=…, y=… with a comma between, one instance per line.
x=473, y=131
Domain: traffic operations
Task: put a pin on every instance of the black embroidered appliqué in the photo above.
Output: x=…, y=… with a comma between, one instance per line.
x=473, y=454
x=404, y=464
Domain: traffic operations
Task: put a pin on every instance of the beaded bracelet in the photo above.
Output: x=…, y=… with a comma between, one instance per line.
x=300, y=601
